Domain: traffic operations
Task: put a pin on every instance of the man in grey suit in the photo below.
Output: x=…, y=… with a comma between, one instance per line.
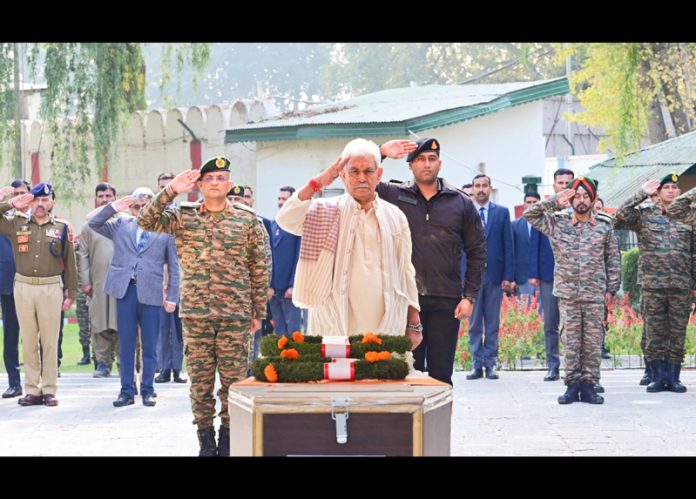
x=135, y=278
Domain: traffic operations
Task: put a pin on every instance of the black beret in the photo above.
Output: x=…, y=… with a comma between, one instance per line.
x=670, y=177
x=236, y=190
x=216, y=164
x=424, y=145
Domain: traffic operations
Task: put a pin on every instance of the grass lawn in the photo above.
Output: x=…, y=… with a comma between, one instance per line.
x=72, y=352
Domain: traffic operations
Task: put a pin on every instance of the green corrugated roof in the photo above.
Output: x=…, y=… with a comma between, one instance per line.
x=395, y=111
x=618, y=183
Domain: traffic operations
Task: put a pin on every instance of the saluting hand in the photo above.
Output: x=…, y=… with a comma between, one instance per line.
x=22, y=201
x=651, y=186
x=123, y=203
x=327, y=177
x=185, y=181
x=6, y=191
x=397, y=149
x=563, y=198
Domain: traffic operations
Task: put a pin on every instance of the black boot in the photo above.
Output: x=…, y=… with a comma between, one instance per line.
x=223, y=449
x=85, y=356
x=164, y=377
x=206, y=439
x=587, y=393
x=673, y=384
x=598, y=388
x=571, y=395
x=658, y=368
x=647, y=375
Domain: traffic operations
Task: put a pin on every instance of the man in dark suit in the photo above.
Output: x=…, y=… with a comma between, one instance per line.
x=10, y=324
x=286, y=251
x=136, y=279
x=541, y=267
x=520, y=235
x=498, y=277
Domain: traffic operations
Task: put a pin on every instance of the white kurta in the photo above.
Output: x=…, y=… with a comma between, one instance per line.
x=372, y=278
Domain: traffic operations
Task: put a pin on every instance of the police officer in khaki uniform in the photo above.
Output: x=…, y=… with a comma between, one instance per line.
x=43, y=249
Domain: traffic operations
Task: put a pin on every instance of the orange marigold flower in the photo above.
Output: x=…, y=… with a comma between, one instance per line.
x=290, y=354
x=384, y=355
x=282, y=342
x=270, y=373
x=371, y=356
x=371, y=338
x=297, y=337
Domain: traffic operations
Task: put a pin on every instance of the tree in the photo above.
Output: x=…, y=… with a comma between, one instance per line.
x=360, y=68
x=634, y=89
x=92, y=88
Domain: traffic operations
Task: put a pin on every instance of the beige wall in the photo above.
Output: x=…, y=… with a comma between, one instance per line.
x=151, y=143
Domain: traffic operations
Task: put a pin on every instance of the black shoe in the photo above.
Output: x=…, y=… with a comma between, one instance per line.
x=178, y=378
x=164, y=377
x=123, y=400
x=85, y=357
x=598, y=388
x=13, y=391
x=647, y=376
x=491, y=374
x=571, y=395
x=206, y=440
x=587, y=394
x=475, y=374
x=552, y=375
x=149, y=400
x=223, y=448
x=605, y=353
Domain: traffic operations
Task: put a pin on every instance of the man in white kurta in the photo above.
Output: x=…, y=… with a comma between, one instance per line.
x=355, y=272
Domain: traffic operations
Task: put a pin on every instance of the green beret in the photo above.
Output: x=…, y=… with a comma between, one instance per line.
x=236, y=190
x=216, y=164
x=669, y=178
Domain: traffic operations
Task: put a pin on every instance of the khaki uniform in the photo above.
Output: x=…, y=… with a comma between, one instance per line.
x=224, y=280
x=41, y=260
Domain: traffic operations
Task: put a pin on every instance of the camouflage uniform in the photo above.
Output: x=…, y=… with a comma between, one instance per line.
x=666, y=273
x=82, y=312
x=224, y=279
x=588, y=264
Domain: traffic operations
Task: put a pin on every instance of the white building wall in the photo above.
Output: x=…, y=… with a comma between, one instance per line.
x=509, y=143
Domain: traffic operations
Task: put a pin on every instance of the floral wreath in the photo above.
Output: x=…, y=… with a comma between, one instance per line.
x=297, y=359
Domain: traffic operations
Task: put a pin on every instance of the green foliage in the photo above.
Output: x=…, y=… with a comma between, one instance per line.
x=629, y=275
x=7, y=101
x=359, y=68
x=626, y=88
x=312, y=345
x=291, y=371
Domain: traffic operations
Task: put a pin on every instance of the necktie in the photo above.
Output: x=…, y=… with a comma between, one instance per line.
x=483, y=217
x=143, y=240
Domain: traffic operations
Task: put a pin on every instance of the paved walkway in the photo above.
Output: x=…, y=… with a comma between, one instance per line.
x=514, y=416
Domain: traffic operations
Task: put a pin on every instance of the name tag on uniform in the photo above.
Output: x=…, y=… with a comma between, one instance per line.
x=23, y=248
x=22, y=239
x=53, y=233
x=408, y=199
x=23, y=232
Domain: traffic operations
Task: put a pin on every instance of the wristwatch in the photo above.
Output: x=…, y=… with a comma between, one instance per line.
x=471, y=299
x=418, y=328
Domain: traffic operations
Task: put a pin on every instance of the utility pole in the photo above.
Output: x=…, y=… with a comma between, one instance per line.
x=18, y=109
x=569, y=103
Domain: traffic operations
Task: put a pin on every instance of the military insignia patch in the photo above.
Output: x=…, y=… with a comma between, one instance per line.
x=219, y=162
x=22, y=239
x=53, y=233
x=23, y=248
x=675, y=178
x=434, y=146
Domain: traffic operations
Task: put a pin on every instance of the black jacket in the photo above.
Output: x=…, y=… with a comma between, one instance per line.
x=440, y=228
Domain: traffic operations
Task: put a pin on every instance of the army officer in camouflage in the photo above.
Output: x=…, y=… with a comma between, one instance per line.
x=586, y=277
x=224, y=280
x=666, y=275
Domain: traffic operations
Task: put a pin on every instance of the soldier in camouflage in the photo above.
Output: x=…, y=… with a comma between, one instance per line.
x=587, y=276
x=224, y=280
x=82, y=312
